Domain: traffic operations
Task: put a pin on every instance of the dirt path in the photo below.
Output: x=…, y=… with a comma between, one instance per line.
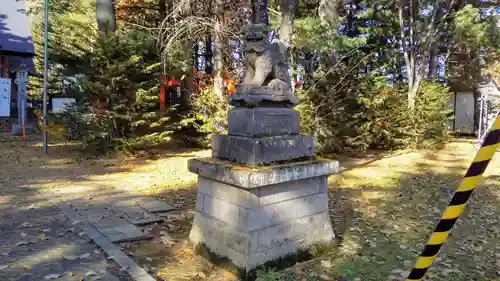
x=37, y=241
x=383, y=207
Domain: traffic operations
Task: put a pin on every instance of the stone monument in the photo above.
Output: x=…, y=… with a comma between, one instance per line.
x=262, y=195
x=22, y=85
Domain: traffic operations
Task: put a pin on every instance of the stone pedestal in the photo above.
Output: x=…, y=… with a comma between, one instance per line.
x=252, y=216
x=265, y=135
x=263, y=195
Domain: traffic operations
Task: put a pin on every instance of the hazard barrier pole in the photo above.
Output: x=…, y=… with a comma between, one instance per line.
x=24, y=133
x=456, y=207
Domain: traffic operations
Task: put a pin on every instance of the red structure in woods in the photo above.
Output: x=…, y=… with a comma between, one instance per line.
x=170, y=88
x=170, y=92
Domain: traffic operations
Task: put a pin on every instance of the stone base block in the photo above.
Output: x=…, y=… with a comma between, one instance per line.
x=263, y=122
x=251, y=221
x=258, y=151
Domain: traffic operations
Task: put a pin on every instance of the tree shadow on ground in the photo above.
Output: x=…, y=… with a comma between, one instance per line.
x=382, y=212
x=383, y=225
x=38, y=241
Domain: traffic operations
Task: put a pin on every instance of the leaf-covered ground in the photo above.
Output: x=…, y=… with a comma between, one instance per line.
x=383, y=208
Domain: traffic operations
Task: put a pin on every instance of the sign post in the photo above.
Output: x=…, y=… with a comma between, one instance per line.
x=5, y=92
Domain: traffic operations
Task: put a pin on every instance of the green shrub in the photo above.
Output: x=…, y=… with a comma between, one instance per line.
x=207, y=115
x=373, y=114
x=268, y=275
x=430, y=122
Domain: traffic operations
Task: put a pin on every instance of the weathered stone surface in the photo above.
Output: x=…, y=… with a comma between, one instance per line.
x=136, y=215
x=248, y=178
x=267, y=78
x=125, y=262
x=107, y=222
x=284, y=211
x=258, y=151
x=248, y=250
x=124, y=233
x=291, y=190
x=263, y=122
x=301, y=231
x=221, y=210
x=227, y=193
x=275, y=94
x=93, y=213
x=223, y=232
x=154, y=205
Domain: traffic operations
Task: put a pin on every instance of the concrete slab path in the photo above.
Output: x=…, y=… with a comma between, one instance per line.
x=38, y=242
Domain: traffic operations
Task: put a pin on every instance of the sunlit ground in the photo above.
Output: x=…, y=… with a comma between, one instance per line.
x=383, y=208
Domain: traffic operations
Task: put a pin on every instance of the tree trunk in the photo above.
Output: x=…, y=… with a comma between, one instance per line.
x=433, y=64
x=209, y=55
x=106, y=18
x=218, y=50
x=328, y=11
x=288, y=8
x=259, y=11
x=163, y=9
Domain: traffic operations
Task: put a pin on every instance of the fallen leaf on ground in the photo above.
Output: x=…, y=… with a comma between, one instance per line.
x=325, y=277
x=326, y=263
x=432, y=275
x=52, y=276
x=84, y=256
x=26, y=224
x=24, y=234
x=31, y=207
x=27, y=267
x=22, y=243
x=4, y=267
x=70, y=258
x=90, y=273
x=167, y=240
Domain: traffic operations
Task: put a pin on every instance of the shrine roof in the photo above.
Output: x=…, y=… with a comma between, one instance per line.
x=15, y=32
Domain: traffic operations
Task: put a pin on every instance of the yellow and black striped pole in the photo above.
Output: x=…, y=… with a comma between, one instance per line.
x=456, y=207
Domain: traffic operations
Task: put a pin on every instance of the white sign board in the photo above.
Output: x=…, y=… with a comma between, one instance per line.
x=59, y=105
x=5, y=88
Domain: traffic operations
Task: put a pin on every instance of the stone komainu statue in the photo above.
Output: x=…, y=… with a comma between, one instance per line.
x=267, y=80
